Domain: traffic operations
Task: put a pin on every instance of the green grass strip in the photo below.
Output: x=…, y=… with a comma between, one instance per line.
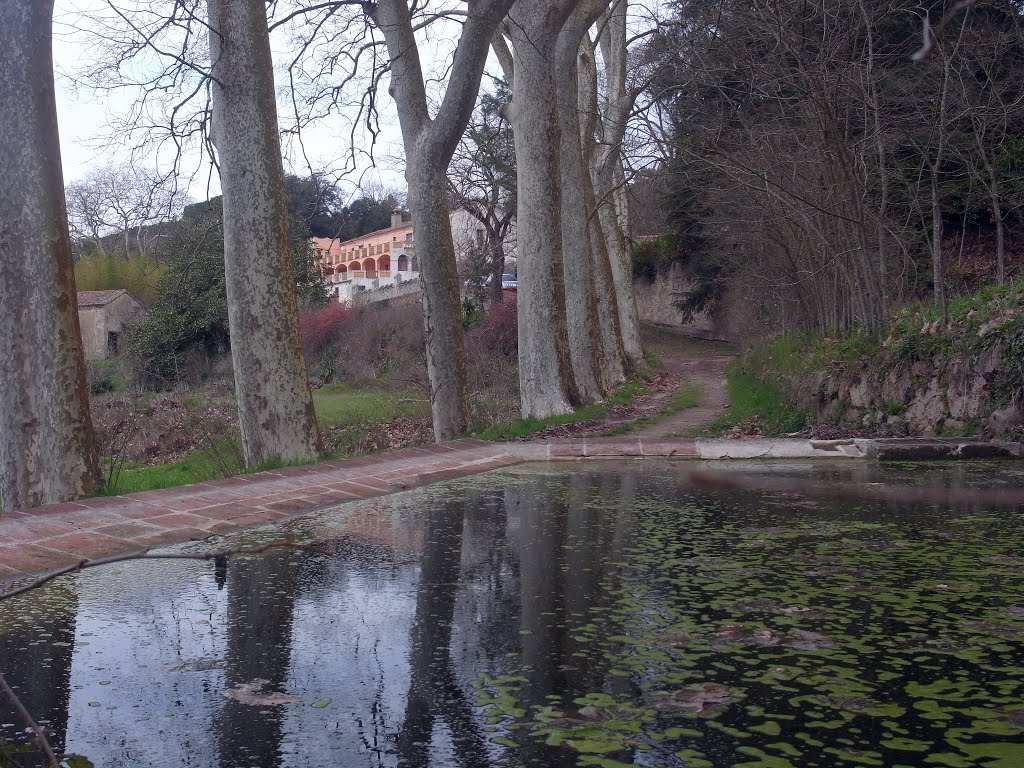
x=529, y=426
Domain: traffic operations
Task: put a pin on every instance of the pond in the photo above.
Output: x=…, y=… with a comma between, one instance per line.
x=553, y=615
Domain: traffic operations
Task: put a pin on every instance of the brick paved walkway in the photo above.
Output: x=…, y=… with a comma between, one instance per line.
x=51, y=537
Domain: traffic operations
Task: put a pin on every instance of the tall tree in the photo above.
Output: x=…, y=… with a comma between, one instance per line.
x=609, y=175
x=430, y=141
x=275, y=406
x=118, y=205
x=594, y=350
x=613, y=363
x=47, y=453
x=546, y=381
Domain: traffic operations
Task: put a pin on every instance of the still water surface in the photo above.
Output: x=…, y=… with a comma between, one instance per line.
x=593, y=615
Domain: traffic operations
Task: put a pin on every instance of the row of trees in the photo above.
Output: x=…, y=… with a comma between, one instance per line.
x=816, y=170
x=579, y=331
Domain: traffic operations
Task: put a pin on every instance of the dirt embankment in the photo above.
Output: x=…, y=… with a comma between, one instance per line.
x=926, y=375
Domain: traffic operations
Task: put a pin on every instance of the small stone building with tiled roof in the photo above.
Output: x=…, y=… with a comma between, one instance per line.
x=104, y=317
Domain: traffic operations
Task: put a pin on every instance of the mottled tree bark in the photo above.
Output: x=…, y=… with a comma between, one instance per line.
x=609, y=177
x=546, y=382
x=47, y=451
x=442, y=311
x=429, y=146
x=613, y=364
x=585, y=338
x=275, y=406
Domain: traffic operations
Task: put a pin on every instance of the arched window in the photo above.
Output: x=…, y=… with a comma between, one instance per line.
x=403, y=263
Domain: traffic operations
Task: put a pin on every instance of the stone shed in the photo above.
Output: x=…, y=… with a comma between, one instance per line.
x=104, y=317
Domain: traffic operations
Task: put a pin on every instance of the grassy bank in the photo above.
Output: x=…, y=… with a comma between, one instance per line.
x=925, y=372
x=756, y=404
x=530, y=426
x=348, y=419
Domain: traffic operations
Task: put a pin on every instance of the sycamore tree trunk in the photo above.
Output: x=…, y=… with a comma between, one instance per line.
x=585, y=340
x=619, y=260
x=430, y=142
x=439, y=275
x=275, y=406
x=546, y=381
x=609, y=176
x=613, y=364
x=47, y=451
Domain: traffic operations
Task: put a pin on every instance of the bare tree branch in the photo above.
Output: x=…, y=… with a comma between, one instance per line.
x=41, y=739
x=220, y=556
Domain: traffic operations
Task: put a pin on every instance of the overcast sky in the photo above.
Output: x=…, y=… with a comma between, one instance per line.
x=83, y=116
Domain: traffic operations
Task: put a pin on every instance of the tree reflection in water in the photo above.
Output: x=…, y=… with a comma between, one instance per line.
x=261, y=604
x=434, y=691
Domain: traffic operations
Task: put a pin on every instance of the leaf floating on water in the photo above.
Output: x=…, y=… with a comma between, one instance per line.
x=505, y=741
x=252, y=694
x=760, y=605
x=810, y=641
x=78, y=761
x=996, y=629
x=321, y=703
x=705, y=699
x=735, y=635
x=674, y=640
x=590, y=745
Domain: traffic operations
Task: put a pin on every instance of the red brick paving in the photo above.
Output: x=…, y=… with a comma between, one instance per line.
x=52, y=537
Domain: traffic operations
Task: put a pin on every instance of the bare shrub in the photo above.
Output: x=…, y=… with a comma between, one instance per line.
x=147, y=429
x=393, y=435
x=321, y=332
x=365, y=344
x=492, y=350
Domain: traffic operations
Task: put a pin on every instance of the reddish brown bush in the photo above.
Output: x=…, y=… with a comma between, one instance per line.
x=320, y=331
x=500, y=330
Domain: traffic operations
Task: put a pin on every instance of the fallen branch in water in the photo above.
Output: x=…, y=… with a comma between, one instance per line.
x=930, y=494
x=219, y=557
x=44, y=743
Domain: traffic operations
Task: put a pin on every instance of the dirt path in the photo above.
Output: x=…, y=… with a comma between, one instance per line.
x=683, y=360
x=690, y=361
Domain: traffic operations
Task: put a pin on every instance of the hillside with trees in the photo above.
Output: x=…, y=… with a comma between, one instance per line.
x=819, y=177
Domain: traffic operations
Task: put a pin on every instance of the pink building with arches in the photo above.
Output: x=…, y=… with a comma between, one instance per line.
x=380, y=259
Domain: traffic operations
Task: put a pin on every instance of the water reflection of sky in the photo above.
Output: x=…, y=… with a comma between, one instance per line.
x=383, y=640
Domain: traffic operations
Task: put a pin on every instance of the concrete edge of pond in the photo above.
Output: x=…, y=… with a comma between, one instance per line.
x=45, y=539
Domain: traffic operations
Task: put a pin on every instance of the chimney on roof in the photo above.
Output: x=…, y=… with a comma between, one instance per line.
x=396, y=218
